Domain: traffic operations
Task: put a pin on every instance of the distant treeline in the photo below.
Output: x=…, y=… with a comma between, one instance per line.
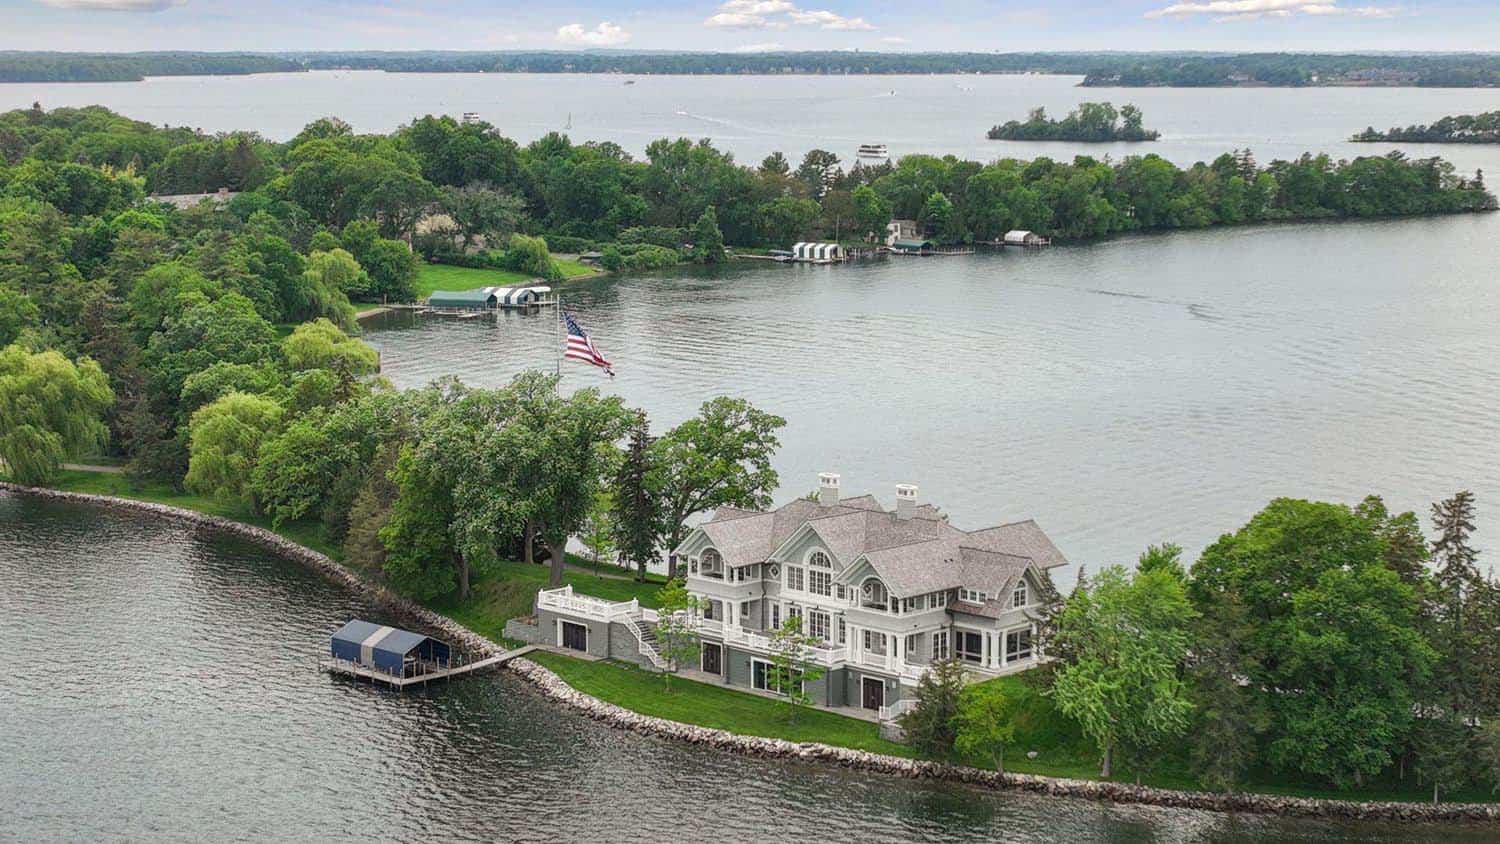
x=1099, y=69
x=1457, y=129
x=127, y=67
x=1089, y=123
x=1292, y=70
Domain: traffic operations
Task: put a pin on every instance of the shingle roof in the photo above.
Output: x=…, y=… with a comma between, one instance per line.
x=912, y=556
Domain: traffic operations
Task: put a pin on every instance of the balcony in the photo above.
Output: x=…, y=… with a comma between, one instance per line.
x=563, y=600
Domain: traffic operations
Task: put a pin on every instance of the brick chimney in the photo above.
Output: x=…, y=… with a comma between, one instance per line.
x=906, y=501
x=828, y=489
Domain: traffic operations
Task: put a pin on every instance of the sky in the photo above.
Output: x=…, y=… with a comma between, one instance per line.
x=752, y=25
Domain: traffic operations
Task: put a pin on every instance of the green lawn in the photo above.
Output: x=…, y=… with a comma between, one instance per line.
x=432, y=277
x=692, y=702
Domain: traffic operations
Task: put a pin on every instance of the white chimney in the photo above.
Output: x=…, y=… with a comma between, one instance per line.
x=828, y=489
x=906, y=501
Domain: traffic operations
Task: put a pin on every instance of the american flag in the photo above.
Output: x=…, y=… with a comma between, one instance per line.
x=581, y=347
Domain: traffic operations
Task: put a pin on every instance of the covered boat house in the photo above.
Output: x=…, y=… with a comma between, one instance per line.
x=912, y=246
x=389, y=650
x=1021, y=237
x=490, y=298
x=818, y=253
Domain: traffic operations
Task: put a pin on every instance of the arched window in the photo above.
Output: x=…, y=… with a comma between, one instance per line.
x=873, y=594
x=819, y=560
x=710, y=564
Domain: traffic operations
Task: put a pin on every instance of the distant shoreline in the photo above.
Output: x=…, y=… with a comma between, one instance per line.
x=1097, y=69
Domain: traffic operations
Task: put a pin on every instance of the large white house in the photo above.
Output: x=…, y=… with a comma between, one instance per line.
x=887, y=593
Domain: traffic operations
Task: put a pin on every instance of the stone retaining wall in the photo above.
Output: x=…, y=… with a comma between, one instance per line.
x=556, y=689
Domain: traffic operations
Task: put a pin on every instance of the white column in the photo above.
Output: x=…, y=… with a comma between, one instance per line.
x=984, y=649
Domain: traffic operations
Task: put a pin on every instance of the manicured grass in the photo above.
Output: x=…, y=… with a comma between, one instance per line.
x=692, y=702
x=432, y=277
x=506, y=590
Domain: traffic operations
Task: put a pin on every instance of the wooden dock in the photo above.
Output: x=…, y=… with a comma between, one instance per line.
x=365, y=672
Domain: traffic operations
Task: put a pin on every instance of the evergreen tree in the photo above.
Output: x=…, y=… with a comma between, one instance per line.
x=708, y=241
x=1457, y=582
x=637, y=522
x=931, y=726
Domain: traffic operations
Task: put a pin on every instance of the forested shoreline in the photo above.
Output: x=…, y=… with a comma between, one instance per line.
x=1455, y=129
x=1099, y=69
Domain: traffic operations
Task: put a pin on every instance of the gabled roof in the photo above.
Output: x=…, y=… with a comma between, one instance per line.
x=1023, y=539
x=913, y=556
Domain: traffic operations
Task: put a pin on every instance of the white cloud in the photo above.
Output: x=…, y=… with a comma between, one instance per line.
x=828, y=20
x=1234, y=11
x=765, y=47
x=777, y=14
x=605, y=34
x=114, y=5
x=894, y=39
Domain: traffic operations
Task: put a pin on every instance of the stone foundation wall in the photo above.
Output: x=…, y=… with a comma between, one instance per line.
x=552, y=686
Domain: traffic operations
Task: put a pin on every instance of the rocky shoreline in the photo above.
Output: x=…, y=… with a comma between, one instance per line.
x=554, y=688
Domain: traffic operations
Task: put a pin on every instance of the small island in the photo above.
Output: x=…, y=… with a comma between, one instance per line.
x=1089, y=123
x=1456, y=129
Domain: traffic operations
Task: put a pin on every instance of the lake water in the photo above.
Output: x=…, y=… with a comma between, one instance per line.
x=163, y=687
x=1122, y=393
x=754, y=115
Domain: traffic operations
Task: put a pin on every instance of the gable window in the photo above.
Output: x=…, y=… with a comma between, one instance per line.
x=794, y=578
x=872, y=594
x=1017, y=645
x=1020, y=597
x=940, y=646
x=819, y=582
x=711, y=565
x=819, y=560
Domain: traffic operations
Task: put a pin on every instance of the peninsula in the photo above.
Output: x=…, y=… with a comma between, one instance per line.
x=1456, y=129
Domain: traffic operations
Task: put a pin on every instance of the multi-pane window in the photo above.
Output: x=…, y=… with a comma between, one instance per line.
x=1019, y=597
x=940, y=645
x=973, y=596
x=794, y=580
x=940, y=599
x=793, y=611
x=775, y=615
x=819, y=560
x=819, y=582
x=843, y=633
x=875, y=642
x=818, y=624
x=1017, y=645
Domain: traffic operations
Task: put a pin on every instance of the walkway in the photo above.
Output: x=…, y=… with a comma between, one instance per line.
x=356, y=670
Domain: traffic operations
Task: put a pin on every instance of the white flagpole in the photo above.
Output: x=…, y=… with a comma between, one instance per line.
x=560, y=339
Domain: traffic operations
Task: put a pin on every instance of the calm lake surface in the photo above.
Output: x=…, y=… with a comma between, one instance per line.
x=1122, y=393
x=191, y=709
x=754, y=115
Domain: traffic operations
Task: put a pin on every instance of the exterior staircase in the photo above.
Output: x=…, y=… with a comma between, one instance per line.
x=645, y=635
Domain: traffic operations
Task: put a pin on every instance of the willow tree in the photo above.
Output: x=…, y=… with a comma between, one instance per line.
x=51, y=409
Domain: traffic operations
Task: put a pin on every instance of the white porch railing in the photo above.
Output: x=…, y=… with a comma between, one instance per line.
x=897, y=709
x=562, y=599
